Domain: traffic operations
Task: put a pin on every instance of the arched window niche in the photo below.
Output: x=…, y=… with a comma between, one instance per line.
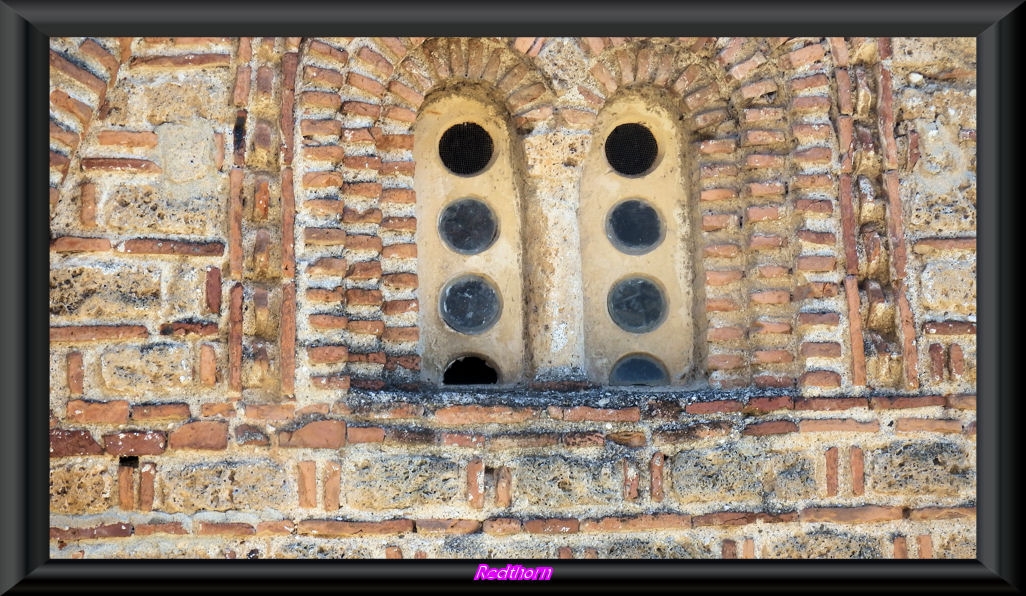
x=470, y=262
x=636, y=247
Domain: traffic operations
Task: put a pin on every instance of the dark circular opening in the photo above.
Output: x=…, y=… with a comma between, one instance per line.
x=470, y=304
x=634, y=227
x=470, y=370
x=468, y=226
x=636, y=305
x=465, y=148
x=638, y=369
x=631, y=149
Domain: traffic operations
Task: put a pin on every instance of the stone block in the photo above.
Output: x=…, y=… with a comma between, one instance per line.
x=949, y=286
x=82, y=488
x=221, y=486
x=556, y=482
x=937, y=468
x=399, y=482
x=826, y=544
x=99, y=291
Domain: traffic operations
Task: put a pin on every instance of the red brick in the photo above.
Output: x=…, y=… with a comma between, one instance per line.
x=891, y=403
x=717, y=146
x=325, y=321
x=816, y=263
x=79, y=74
x=188, y=328
x=777, y=381
x=863, y=514
x=335, y=528
x=762, y=213
x=67, y=443
x=86, y=412
x=324, y=236
x=772, y=271
x=714, y=407
x=585, y=413
x=312, y=128
x=125, y=138
x=838, y=425
x=821, y=378
x=763, y=405
x=808, y=319
x=814, y=206
x=961, y=402
x=552, y=526
x=772, y=188
x=203, y=434
x=475, y=483
x=740, y=518
x=77, y=109
x=320, y=434
x=135, y=443
x=724, y=361
x=771, y=297
x=722, y=278
x=628, y=438
x=950, y=328
x=582, y=439
x=73, y=244
x=720, y=305
x=910, y=425
x=723, y=251
x=858, y=477
x=770, y=327
x=365, y=434
x=162, y=246
x=942, y=513
x=375, y=328
x=327, y=354
x=98, y=52
x=773, y=427
x=762, y=137
x=321, y=99
x=829, y=403
x=816, y=289
x=758, y=88
x=306, y=483
x=772, y=356
x=268, y=411
x=166, y=411
x=501, y=526
x=637, y=523
x=931, y=245
x=765, y=242
x=447, y=526
x=97, y=333
x=331, y=382
x=473, y=414
x=174, y=528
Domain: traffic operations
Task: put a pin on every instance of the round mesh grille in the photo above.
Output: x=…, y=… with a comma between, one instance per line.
x=638, y=369
x=636, y=305
x=634, y=227
x=468, y=226
x=470, y=304
x=631, y=149
x=465, y=148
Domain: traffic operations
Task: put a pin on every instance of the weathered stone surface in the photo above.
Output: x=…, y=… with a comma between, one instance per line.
x=166, y=208
x=826, y=544
x=186, y=150
x=81, y=488
x=556, y=481
x=221, y=486
x=933, y=56
x=789, y=476
x=320, y=548
x=157, y=368
x=396, y=482
x=99, y=291
x=632, y=548
x=956, y=546
x=938, y=468
x=725, y=472
x=949, y=286
x=477, y=546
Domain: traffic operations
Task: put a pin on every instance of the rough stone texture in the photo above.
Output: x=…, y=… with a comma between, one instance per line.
x=956, y=546
x=102, y=290
x=949, y=287
x=476, y=546
x=558, y=482
x=937, y=468
x=633, y=548
x=740, y=472
x=313, y=548
x=168, y=209
x=377, y=483
x=82, y=488
x=156, y=368
x=826, y=544
x=221, y=486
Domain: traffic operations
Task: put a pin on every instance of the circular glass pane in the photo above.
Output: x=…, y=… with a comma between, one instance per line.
x=470, y=304
x=634, y=227
x=638, y=369
x=637, y=305
x=468, y=226
x=465, y=148
x=631, y=149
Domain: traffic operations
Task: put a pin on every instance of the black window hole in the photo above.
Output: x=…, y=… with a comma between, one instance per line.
x=636, y=305
x=631, y=149
x=470, y=370
x=465, y=148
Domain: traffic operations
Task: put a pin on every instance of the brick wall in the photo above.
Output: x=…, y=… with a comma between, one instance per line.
x=234, y=341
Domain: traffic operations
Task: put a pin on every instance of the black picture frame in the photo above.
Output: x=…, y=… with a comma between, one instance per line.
x=25, y=26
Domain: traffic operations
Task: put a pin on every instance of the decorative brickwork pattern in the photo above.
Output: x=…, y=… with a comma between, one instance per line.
x=236, y=306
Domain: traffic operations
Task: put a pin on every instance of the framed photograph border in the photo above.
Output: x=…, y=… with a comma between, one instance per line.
x=25, y=27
